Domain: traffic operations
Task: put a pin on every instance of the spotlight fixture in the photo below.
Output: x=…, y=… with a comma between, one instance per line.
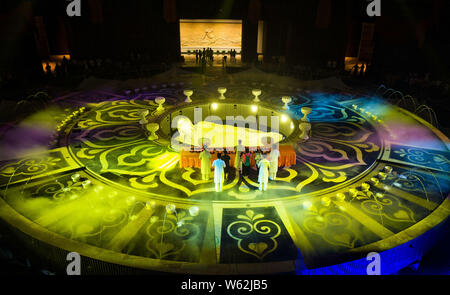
x=222, y=91
x=382, y=175
x=160, y=101
x=284, y=118
x=188, y=94
x=86, y=183
x=150, y=205
x=256, y=93
x=130, y=200
x=170, y=208
x=353, y=192
x=340, y=197
x=307, y=205
x=214, y=106
x=75, y=177
x=365, y=187
x=286, y=100
x=254, y=108
x=193, y=211
x=112, y=195
x=98, y=188
x=325, y=201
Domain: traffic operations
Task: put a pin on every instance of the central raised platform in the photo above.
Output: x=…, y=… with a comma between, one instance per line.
x=191, y=159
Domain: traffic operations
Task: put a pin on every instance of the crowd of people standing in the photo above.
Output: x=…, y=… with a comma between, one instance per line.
x=265, y=163
x=206, y=56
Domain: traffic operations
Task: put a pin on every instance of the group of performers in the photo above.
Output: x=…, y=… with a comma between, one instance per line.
x=266, y=162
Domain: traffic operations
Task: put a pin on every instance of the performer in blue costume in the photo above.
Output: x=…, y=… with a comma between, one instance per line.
x=218, y=166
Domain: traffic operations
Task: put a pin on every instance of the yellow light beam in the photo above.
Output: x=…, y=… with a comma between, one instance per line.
x=410, y=197
x=362, y=218
x=125, y=235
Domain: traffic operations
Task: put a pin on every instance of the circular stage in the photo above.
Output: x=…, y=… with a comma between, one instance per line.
x=372, y=177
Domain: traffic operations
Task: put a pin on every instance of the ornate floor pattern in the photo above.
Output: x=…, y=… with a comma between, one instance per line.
x=106, y=186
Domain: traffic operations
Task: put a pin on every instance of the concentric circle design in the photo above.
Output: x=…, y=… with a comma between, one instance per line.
x=111, y=143
x=110, y=193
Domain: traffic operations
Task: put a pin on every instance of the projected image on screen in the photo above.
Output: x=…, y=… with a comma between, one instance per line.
x=217, y=34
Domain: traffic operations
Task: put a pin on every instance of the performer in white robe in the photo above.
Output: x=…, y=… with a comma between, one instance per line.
x=218, y=166
x=205, y=167
x=258, y=157
x=238, y=157
x=274, y=155
x=263, y=175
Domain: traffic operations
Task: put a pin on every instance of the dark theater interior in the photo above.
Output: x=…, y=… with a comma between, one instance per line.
x=224, y=137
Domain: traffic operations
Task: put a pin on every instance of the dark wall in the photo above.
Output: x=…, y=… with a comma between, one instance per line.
x=122, y=27
x=217, y=9
x=53, y=13
x=292, y=31
x=115, y=27
x=110, y=28
x=18, y=51
x=410, y=34
x=140, y=26
x=413, y=36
